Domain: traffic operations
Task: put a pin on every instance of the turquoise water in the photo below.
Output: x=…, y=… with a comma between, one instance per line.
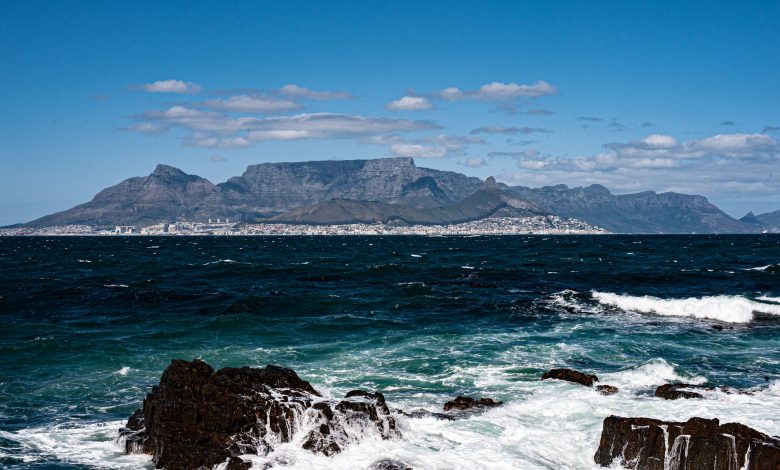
x=89, y=324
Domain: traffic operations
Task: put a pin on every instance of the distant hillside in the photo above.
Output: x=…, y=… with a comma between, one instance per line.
x=488, y=201
x=646, y=212
x=387, y=189
x=769, y=221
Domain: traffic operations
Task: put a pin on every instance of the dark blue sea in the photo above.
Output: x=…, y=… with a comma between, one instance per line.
x=88, y=324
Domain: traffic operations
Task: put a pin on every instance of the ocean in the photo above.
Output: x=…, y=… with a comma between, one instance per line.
x=89, y=324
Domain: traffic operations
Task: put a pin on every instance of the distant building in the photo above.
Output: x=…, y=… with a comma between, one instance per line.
x=125, y=229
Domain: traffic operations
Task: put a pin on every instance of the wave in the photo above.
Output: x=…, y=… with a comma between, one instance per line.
x=725, y=308
x=768, y=268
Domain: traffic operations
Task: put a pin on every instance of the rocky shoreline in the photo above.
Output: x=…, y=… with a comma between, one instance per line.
x=201, y=418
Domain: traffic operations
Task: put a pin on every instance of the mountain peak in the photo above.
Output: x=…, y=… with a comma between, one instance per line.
x=490, y=182
x=167, y=171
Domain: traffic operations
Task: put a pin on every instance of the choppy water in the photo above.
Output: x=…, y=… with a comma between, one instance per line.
x=89, y=324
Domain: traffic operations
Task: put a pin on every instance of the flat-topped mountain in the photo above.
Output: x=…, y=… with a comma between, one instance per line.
x=488, y=201
x=392, y=190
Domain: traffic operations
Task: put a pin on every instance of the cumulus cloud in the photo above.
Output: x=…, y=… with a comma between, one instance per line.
x=171, y=86
x=302, y=92
x=475, y=162
x=499, y=91
x=145, y=128
x=508, y=130
x=409, y=103
x=216, y=130
x=253, y=104
x=439, y=146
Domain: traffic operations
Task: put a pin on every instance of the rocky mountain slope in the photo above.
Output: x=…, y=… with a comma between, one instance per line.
x=488, y=201
x=769, y=221
x=387, y=189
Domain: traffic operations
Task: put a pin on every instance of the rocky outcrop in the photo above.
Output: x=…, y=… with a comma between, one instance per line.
x=465, y=403
x=606, y=389
x=198, y=417
x=682, y=390
x=571, y=375
x=645, y=212
x=388, y=464
x=651, y=444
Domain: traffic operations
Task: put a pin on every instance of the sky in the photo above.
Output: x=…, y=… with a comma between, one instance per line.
x=637, y=96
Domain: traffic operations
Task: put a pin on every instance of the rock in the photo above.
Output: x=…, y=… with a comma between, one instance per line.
x=679, y=390
x=606, y=389
x=198, y=418
x=388, y=464
x=571, y=375
x=464, y=403
x=651, y=444
x=421, y=413
x=674, y=391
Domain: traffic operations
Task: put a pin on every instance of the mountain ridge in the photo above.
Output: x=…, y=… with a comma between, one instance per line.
x=384, y=189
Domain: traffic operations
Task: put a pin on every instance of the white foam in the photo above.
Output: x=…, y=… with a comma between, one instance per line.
x=725, y=308
x=767, y=298
x=761, y=268
x=92, y=445
x=123, y=371
x=650, y=374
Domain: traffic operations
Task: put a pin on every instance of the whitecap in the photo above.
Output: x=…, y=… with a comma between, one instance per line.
x=725, y=308
x=416, y=255
x=123, y=371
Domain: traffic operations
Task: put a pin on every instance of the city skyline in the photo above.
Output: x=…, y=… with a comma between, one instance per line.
x=660, y=97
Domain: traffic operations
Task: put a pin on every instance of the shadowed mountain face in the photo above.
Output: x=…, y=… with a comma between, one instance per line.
x=167, y=195
x=488, y=201
x=769, y=221
x=646, y=212
x=391, y=190
x=274, y=187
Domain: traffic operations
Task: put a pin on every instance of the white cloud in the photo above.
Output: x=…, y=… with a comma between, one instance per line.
x=508, y=130
x=146, y=128
x=409, y=103
x=499, y=91
x=418, y=150
x=253, y=104
x=475, y=162
x=660, y=141
x=171, y=86
x=302, y=92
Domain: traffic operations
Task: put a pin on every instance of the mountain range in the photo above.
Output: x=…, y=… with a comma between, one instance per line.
x=389, y=190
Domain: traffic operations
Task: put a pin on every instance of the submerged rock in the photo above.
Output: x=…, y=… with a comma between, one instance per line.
x=571, y=375
x=651, y=444
x=198, y=418
x=675, y=391
x=388, y=464
x=606, y=389
x=465, y=403
x=681, y=390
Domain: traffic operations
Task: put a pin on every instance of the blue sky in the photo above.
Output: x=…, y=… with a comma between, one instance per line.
x=635, y=96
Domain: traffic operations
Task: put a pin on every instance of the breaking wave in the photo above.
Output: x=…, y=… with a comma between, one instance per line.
x=725, y=308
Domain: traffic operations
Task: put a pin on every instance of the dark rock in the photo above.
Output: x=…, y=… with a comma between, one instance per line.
x=571, y=375
x=606, y=389
x=388, y=464
x=421, y=413
x=717, y=327
x=198, y=418
x=464, y=403
x=675, y=391
x=651, y=444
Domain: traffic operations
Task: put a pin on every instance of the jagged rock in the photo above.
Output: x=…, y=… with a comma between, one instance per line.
x=606, y=389
x=421, y=413
x=651, y=444
x=571, y=375
x=674, y=391
x=464, y=403
x=680, y=390
x=388, y=464
x=198, y=418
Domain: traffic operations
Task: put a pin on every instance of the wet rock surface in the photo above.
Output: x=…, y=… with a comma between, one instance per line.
x=465, y=403
x=682, y=390
x=198, y=417
x=651, y=444
x=606, y=389
x=389, y=464
x=571, y=375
